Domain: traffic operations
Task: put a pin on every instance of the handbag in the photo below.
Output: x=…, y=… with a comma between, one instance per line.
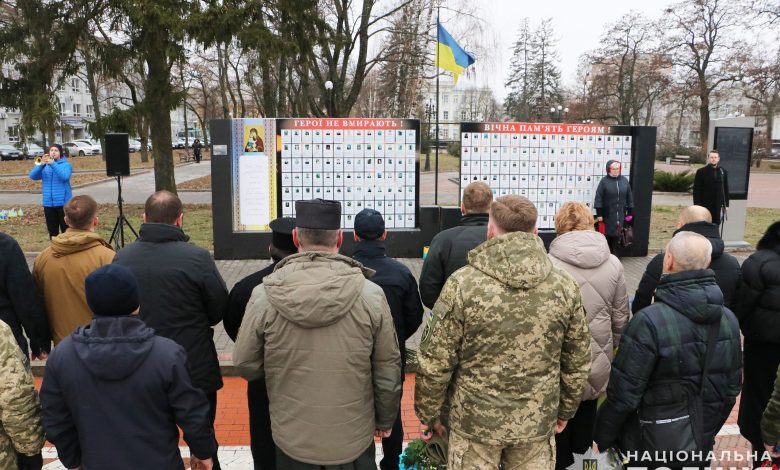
x=626, y=236
x=671, y=413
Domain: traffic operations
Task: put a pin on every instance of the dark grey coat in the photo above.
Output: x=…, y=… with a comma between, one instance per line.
x=613, y=202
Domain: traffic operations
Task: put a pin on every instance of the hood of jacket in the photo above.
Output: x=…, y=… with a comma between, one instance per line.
x=160, y=233
x=609, y=164
x=75, y=240
x=708, y=230
x=516, y=259
x=693, y=294
x=585, y=249
x=112, y=348
x=315, y=289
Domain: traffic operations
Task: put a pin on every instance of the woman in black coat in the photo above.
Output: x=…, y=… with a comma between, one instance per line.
x=614, y=203
x=758, y=310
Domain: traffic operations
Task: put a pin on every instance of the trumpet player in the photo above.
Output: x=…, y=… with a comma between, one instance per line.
x=55, y=171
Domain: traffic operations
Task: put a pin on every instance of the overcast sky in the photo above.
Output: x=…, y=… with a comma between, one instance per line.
x=578, y=25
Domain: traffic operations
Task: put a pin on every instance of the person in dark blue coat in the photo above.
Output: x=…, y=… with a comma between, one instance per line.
x=55, y=171
x=260, y=435
x=614, y=203
x=114, y=394
x=402, y=295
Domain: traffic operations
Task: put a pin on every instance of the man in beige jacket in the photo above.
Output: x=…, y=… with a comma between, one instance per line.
x=60, y=270
x=323, y=337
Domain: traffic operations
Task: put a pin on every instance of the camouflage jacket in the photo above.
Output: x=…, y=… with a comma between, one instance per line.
x=20, y=410
x=770, y=421
x=507, y=347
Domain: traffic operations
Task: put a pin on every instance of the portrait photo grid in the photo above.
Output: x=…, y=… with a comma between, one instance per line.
x=361, y=168
x=549, y=169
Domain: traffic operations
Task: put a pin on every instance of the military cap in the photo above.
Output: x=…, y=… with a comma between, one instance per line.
x=281, y=233
x=318, y=213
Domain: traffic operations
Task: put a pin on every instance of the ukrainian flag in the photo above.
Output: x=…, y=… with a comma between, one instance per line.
x=449, y=55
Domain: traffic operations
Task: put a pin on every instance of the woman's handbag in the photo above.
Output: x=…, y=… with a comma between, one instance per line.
x=627, y=236
x=671, y=416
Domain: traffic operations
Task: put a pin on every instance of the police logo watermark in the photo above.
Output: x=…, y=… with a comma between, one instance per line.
x=591, y=461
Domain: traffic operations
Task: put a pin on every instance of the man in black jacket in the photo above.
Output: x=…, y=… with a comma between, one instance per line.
x=449, y=249
x=665, y=347
x=182, y=293
x=114, y=392
x=711, y=187
x=695, y=219
x=21, y=305
x=400, y=289
x=261, y=438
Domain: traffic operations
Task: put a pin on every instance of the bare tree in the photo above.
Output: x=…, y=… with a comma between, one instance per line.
x=762, y=85
x=702, y=41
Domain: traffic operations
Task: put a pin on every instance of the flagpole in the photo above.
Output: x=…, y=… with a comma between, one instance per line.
x=438, y=72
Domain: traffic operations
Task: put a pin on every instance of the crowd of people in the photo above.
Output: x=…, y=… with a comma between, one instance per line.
x=522, y=343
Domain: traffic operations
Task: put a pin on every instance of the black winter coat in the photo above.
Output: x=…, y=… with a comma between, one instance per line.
x=668, y=341
x=758, y=310
x=239, y=298
x=399, y=286
x=727, y=272
x=182, y=295
x=21, y=305
x=448, y=252
x=614, y=200
x=114, y=394
x=711, y=190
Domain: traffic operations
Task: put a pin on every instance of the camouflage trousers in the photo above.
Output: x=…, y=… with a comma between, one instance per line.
x=7, y=453
x=471, y=455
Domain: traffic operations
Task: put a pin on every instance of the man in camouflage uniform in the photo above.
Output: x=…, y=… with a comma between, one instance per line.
x=21, y=430
x=507, y=347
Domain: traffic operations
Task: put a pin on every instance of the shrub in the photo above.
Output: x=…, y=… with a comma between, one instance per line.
x=672, y=182
x=670, y=150
x=454, y=149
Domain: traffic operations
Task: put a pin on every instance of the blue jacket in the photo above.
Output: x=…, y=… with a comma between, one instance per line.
x=56, y=182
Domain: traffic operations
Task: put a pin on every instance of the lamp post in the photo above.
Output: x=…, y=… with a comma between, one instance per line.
x=558, y=113
x=430, y=111
x=329, y=91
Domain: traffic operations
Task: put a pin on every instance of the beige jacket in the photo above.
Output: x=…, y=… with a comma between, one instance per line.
x=585, y=255
x=324, y=338
x=59, y=272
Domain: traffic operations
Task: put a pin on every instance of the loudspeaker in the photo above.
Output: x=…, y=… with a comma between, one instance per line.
x=117, y=155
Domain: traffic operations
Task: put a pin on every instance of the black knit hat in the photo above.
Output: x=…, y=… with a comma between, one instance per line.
x=281, y=234
x=319, y=214
x=112, y=290
x=59, y=147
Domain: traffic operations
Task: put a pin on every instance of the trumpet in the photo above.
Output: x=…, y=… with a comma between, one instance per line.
x=38, y=161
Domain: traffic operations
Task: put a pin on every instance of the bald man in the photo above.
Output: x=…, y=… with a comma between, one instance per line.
x=663, y=354
x=696, y=219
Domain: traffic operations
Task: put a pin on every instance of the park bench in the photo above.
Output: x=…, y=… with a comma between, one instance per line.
x=681, y=159
x=186, y=156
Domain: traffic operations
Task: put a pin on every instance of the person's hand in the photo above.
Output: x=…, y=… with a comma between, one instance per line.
x=198, y=464
x=560, y=425
x=629, y=219
x=438, y=429
x=600, y=219
x=772, y=451
x=41, y=356
x=384, y=434
x=29, y=462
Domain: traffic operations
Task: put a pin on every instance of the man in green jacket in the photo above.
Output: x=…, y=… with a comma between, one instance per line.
x=770, y=423
x=323, y=337
x=507, y=348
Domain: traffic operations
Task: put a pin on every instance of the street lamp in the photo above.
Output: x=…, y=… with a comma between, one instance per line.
x=430, y=110
x=329, y=88
x=558, y=113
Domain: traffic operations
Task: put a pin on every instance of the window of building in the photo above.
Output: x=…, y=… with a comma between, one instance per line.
x=90, y=110
x=445, y=98
x=463, y=115
x=74, y=83
x=61, y=86
x=76, y=109
x=446, y=115
x=62, y=108
x=13, y=133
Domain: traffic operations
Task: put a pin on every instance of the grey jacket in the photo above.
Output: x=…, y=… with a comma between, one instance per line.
x=323, y=337
x=614, y=201
x=585, y=255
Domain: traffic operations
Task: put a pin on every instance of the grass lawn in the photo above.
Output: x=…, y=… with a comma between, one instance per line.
x=30, y=229
x=90, y=163
x=663, y=223
x=202, y=183
x=446, y=161
x=24, y=183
